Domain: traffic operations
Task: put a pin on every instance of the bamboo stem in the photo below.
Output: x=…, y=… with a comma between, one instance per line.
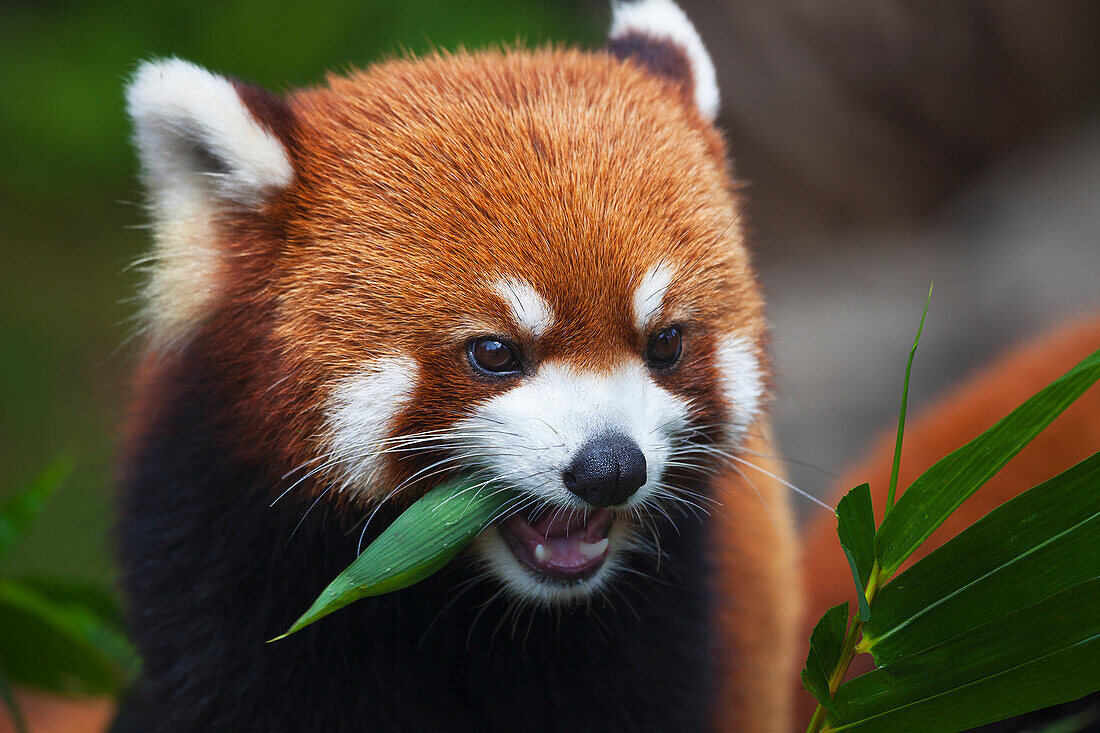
x=849, y=649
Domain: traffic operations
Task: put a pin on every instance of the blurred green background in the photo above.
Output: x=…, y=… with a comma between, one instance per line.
x=70, y=204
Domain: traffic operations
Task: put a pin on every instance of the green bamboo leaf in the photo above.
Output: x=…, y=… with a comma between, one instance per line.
x=855, y=525
x=59, y=646
x=826, y=646
x=896, y=466
x=1040, y=656
x=18, y=511
x=941, y=489
x=14, y=711
x=427, y=536
x=1027, y=549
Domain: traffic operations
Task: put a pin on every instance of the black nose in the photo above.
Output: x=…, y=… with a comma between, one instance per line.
x=607, y=470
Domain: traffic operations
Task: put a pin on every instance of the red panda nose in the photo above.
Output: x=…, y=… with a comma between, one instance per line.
x=607, y=470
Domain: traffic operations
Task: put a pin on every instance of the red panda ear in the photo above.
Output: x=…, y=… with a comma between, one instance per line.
x=206, y=144
x=207, y=135
x=658, y=35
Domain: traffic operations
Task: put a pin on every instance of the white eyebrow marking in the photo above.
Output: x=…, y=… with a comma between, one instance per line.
x=649, y=297
x=530, y=310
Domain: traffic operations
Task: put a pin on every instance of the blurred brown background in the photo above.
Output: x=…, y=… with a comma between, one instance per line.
x=885, y=145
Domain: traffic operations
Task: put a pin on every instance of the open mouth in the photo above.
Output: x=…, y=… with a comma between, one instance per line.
x=558, y=543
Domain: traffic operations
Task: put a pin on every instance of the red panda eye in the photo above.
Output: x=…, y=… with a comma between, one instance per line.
x=664, y=347
x=492, y=355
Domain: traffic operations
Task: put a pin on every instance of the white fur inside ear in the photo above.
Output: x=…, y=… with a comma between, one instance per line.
x=200, y=150
x=191, y=127
x=664, y=20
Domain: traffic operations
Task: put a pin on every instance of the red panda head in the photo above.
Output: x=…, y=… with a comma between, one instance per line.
x=524, y=265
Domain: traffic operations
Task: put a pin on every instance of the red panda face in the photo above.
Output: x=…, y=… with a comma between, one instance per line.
x=524, y=266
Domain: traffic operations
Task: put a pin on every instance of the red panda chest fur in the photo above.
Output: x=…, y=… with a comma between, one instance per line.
x=520, y=265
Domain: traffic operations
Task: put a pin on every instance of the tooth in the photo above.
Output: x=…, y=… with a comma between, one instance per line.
x=542, y=553
x=592, y=550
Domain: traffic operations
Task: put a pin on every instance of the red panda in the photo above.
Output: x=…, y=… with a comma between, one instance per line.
x=522, y=265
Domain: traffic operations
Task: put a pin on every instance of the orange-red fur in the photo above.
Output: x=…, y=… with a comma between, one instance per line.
x=758, y=615
x=952, y=421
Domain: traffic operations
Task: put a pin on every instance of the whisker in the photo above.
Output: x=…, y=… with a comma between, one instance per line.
x=480, y=613
x=786, y=483
x=462, y=589
x=295, y=531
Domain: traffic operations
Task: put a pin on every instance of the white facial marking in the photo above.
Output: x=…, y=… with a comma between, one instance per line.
x=528, y=435
x=359, y=419
x=179, y=109
x=649, y=296
x=530, y=311
x=664, y=20
x=742, y=383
